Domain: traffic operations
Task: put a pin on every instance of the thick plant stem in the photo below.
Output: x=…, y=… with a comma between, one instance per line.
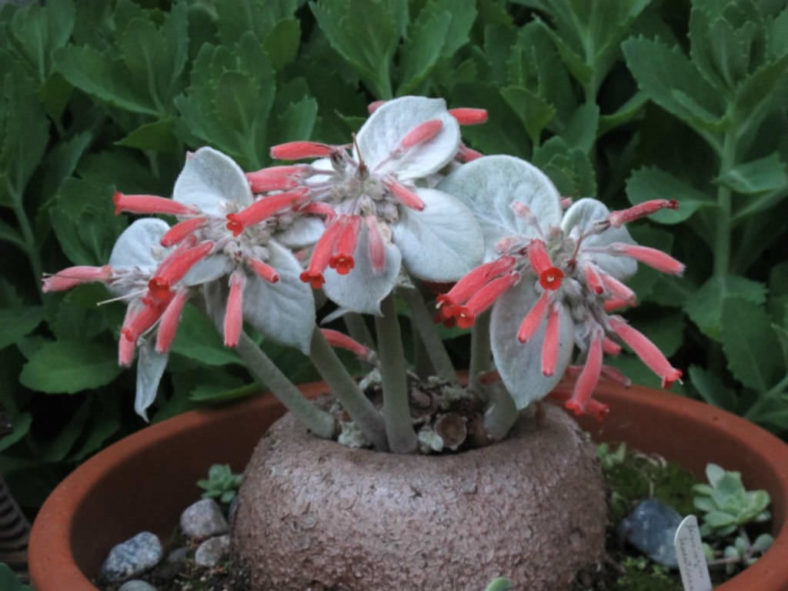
x=345, y=388
x=501, y=415
x=480, y=351
x=357, y=329
x=425, y=326
x=421, y=360
x=268, y=375
x=396, y=410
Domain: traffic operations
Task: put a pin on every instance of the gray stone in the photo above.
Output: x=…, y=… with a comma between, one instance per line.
x=651, y=528
x=212, y=551
x=173, y=563
x=203, y=519
x=132, y=557
x=137, y=585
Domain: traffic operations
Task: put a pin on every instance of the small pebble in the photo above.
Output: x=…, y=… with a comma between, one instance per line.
x=203, y=519
x=132, y=557
x=651, y=528
x=137, y=585
x=211, y=552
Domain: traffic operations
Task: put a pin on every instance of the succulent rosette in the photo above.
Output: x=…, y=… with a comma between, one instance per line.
x=551, y=279
x=380, y=215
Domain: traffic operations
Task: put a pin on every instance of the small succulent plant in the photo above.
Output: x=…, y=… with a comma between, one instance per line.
x=726, y=504
x=727, y=507
x=221, y=483
x=609, y=458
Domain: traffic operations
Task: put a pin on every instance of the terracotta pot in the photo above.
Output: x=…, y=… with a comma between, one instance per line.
x=145, y=480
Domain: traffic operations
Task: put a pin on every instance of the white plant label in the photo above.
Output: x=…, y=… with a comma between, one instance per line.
x=689, y=553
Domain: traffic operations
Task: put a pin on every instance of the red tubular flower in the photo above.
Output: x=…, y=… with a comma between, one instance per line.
x=550, y=346
x=175, y=267
x=126, y=348
x=321, y=255
x=377, y=250
x=321, y=209
x=261, y=209
x=265, y=271
x=342, y=259
x=469, y=116
x=615, y=304
x=168, y=325
x=614, y=374
x=73, y=276
x=343, y=341
x=533, y=319
x=593, y=279
x=140, y=317
x=404, y=195
x=566, y=202
x=466, y=154
x=374, y=106
x=483, y=299
x=610, y=347
x=181, y=230
x=300, y=150
x=275, y=178
x=421, y=134
x=624, y=216
x=589, y=376
x=550, y=277
x=649, y=256
x=618, y=290
x=472, y=282
x=648, y=352
x=233, y=315
x=148, y=204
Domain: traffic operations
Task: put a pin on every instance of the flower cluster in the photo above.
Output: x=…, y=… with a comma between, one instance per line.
x=404, y=200
x=552, y=280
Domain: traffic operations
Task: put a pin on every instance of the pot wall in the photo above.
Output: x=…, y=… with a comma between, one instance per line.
x=105, y=500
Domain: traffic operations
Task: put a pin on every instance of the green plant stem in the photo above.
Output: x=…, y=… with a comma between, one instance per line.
x=501, y=415
x=480, y=351
x=396, y=410
x=345, y=388
x=722, y=237
x=421, y=361
x=29, y=239
x=427, y=332
x=766, y=398
x=269, y=376
x=357, y=329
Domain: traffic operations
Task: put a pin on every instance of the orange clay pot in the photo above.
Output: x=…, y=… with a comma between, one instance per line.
x=144, y=481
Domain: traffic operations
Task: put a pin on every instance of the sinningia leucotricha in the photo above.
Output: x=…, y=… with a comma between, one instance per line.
x=404, y=198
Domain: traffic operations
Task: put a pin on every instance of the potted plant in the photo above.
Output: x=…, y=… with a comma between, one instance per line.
x=403, y=204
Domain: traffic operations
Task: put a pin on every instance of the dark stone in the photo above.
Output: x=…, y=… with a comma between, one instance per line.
x=651, y=528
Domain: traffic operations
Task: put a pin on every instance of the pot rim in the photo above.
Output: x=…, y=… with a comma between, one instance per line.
x=51, y=555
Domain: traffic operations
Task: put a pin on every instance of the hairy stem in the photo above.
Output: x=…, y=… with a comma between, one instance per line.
x=480, y=351
x=501, y=415
x=422, y=321
x=357, y=329
x=268, y=375
x=345, y=388
x=722, y=237
x=396, y=410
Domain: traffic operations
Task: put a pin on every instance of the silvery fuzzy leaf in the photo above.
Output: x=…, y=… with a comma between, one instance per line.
x=304, y=231
x=489, y=185
x=208, y=179
x=363, y=288
x=283, y=311
x=580, y=218
x=520, y=364
x=208, y=269
x=150, y=368
x=139, y=245
x=441, y=243
x=390, y=123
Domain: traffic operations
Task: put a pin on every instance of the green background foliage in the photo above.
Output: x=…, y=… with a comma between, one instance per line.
x=627, y=100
